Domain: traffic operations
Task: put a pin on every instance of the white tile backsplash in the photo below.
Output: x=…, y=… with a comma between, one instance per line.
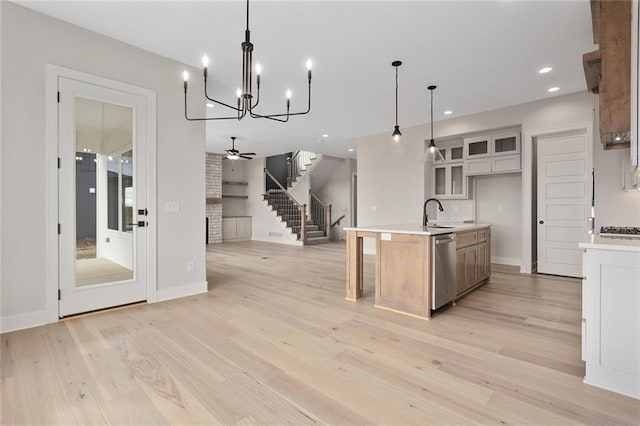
x=456, y=210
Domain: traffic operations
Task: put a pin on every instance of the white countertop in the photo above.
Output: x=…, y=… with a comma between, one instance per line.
x=605, y=243
x=419, y=230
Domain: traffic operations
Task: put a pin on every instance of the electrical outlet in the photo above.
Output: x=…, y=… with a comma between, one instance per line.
x=374, y=209
x=191, y=266
x=500, y=208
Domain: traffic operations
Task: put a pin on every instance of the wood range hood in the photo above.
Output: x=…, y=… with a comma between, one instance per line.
x=608, y=69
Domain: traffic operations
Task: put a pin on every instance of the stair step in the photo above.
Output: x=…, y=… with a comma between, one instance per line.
x=316, y=241
x=311, y=227
x=314, y=234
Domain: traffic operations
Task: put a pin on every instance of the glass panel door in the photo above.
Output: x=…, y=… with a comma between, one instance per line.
x=457, y=185
x=104, y=192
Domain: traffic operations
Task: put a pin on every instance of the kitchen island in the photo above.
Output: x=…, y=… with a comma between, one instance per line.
x=404, y=267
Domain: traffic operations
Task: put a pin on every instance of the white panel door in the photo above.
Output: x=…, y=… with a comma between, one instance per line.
x=564, y=192
x=102, y=145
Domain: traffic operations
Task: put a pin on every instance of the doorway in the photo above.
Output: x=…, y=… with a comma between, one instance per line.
x=103, y=185
x=563, y=175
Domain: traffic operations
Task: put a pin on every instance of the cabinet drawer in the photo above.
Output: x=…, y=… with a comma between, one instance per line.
x=466, y=239
x=506, y=163
x=479, y=166
x=482, y=235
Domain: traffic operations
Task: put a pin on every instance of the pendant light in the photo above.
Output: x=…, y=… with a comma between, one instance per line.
x=396, y=135
x=433, y=153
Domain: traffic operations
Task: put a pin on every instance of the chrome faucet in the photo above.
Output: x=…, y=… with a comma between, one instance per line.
x=425, y=217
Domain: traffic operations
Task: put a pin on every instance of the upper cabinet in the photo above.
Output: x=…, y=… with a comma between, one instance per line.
x=448, y=178
x=608, y=69
x=495, y=153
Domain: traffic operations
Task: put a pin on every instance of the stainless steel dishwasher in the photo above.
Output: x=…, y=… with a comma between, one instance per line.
x=443, y=257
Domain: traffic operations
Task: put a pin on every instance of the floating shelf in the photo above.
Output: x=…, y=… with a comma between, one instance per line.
x=234, y=196
x=233, y=182
x=214, y=200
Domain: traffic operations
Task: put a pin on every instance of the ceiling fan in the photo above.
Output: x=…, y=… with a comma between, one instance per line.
x=234, y=154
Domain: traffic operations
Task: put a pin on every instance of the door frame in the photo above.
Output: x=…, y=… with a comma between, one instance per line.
x=530, y=216
x=52, y=75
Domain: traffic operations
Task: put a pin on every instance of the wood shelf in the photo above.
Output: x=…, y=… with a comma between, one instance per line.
x=233, y=182
x=214, y=200
x=235, y=196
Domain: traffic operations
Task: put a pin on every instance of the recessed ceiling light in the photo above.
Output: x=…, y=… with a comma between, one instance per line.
x=350, y=150
x=448, y=112
x=209, y=105
x=544, y=70
x=325, y=136
x=554, y=89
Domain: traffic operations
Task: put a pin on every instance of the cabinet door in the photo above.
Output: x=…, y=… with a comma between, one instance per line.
x=505, y=144
x=243, y=228
x=440, y=180
x=483, y=264
x=229, y=228
x=457, y=181
x=456, y=153
x=478, y=166
x=506, y=163
x=476, y=147
x=471, y=266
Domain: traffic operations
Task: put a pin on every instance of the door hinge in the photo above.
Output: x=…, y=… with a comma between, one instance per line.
x=58, y=96
x=59, y=162
x=59, y=294
x=59, y=232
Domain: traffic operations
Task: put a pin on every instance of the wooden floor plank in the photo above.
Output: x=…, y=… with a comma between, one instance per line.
x=274, y=342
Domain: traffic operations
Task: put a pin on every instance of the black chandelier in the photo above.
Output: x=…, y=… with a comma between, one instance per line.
x=245, y=103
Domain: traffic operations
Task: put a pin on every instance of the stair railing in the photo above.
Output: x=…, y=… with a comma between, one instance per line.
x=302, y=208
x=296, y=163
x=320, y=214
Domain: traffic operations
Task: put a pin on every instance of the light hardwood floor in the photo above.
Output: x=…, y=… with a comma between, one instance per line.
x=274, y=342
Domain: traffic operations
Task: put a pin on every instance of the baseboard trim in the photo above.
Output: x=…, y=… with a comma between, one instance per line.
x=181, y=291
x=512, y=261
x=23, y=321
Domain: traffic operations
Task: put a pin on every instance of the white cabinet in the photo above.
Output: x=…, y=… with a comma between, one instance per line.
x=448, y=177
x=236, y=228
x=449, y=181
x=491, y=154
x=635, y=86
x=611, y=317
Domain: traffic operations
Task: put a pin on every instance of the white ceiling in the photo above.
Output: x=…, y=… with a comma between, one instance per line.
x=482, y=55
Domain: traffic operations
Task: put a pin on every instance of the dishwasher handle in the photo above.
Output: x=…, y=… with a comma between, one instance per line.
x=445, y=239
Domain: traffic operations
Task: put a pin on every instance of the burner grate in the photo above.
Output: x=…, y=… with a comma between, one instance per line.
x=620, y=230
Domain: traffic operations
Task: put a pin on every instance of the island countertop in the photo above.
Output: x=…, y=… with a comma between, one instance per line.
x=434, y=228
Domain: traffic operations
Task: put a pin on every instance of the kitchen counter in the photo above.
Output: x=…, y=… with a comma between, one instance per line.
x=405, y=259
x=617, y=244
x=434, y=228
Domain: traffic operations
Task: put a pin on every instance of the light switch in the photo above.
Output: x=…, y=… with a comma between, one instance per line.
x=171, y=207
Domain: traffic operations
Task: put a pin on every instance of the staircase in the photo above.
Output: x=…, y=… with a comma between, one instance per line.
x=300, y=164
x=290, y=213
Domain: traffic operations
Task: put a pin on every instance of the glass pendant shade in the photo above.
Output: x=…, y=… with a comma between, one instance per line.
x=432, y=153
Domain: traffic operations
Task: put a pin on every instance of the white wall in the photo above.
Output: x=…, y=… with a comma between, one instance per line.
x=336, y=190
x=614, y=207
x=29, y=40
x=394, y=183
x=265, y=226
x=499, y=202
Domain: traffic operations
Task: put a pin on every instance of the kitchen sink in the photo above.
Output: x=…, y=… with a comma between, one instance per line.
x=439, y=226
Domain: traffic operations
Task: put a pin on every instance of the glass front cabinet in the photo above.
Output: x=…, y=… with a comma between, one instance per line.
x=491, y=154
x=448, y=177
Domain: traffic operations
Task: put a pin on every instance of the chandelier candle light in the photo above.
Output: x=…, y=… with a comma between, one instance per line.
x=245, y=103
x=433, y=153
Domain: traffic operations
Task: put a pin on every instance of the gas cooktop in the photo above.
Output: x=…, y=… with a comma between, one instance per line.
x=620, y=231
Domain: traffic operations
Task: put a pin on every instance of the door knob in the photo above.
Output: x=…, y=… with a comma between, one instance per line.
x=541, y=222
